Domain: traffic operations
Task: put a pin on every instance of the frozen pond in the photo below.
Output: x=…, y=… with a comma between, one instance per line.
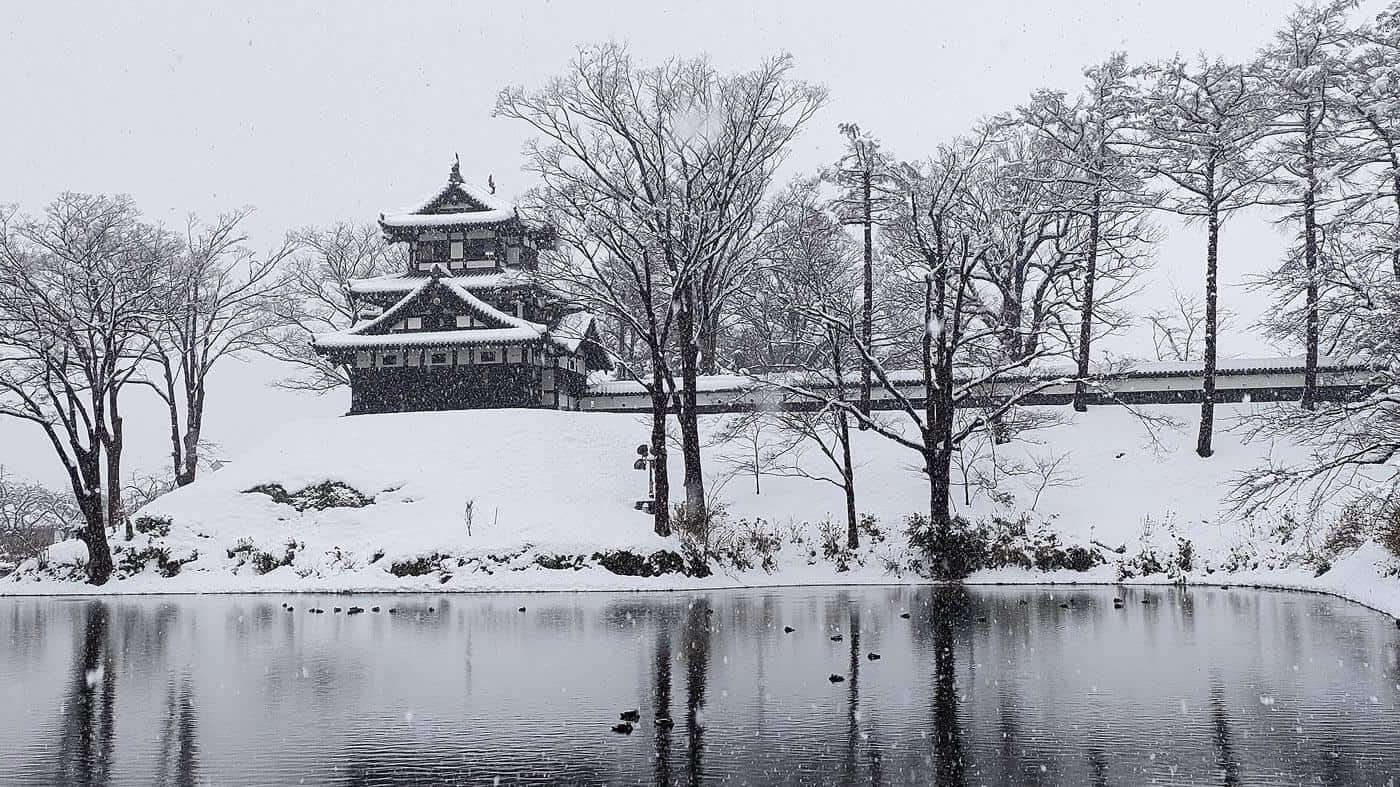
x=978, y=686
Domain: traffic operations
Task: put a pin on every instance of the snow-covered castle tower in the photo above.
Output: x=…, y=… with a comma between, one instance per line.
x=468, y=324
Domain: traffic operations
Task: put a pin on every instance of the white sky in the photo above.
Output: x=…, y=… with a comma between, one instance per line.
x=318, y=112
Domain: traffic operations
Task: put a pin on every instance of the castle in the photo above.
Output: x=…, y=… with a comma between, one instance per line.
x=469, y=324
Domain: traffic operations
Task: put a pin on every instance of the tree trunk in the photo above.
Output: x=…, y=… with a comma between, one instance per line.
x=848, y=473
x=938, y=464
x=661, y=479
x=867, y=307
x=843, y=433
x=1395, y=241
x=116, y=516
x=1203, y=438
x=1310, y=261
x=194, y=426
x=1086, y=317
x=689, y=419
x=90, y=505
x=709, y=343
x=938, y=411
x=177, y=451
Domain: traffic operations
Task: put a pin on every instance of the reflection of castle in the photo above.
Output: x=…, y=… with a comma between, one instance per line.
x=468, y=324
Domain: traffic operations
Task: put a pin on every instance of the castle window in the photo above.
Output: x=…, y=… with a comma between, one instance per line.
x=389, y=359
x=433, y=251
x=438, y=359
x=456, y=250
x=480, y=249
x=486, y=356
x=464, y=321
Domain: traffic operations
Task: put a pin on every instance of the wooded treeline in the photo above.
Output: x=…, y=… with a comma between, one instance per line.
x=1014, y=243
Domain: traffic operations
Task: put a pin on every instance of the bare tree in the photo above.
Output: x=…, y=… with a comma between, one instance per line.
x=655, y=178
x=219, y=304
x=1369, y=98
x=1304, y=68
x=30, y=514
x=76, y=288
x=863, y=175
x=1102, y=183
x=811, y=268
x=313, y=295
x=1202, y=124
x=1178, y=331
x=1352, y=445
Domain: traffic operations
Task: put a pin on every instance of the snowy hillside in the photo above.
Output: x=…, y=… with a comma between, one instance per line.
x=561, y=485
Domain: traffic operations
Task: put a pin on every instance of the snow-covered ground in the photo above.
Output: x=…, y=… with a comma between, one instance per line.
x=557, y=484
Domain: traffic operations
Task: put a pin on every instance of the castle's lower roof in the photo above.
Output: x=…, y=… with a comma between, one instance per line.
x=405, y=282
x=458, y=338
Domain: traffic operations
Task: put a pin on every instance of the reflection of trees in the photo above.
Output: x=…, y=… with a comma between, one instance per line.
x=848, y=764
x=85, y=748
x=179, y=744
x=1220, y=727
x=695, y=639
x=1098, y=768
x=947, y=607
x=661, y=706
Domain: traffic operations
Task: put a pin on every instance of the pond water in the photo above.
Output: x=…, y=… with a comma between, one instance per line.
x=977, y=686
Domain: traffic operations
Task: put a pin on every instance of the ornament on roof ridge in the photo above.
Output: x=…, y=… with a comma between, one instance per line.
x=491, y=183
x=455, y=177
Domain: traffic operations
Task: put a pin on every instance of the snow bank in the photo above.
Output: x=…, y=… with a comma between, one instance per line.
x=547, y=483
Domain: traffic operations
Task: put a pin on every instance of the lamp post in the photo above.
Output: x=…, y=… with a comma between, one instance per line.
x=646, y=461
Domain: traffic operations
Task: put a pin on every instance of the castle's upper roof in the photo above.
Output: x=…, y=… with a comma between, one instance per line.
x=460, y=203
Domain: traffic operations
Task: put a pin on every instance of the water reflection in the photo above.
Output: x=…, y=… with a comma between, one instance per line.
x=179, y=744
x=976, y=686
x=86, y=740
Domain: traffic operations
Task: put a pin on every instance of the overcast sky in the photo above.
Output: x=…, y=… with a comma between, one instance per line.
x=319, y=112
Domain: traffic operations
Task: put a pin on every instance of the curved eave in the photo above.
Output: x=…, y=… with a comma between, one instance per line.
x=407, y=227
x=349, y=343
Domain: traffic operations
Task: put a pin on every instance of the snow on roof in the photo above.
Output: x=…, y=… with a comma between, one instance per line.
x=712, y=383
x=360, y=336
x=447, y=219
x=403, y=282
x=457, y=182
x=342, y=340
x=487, y=310
x=388, y=313
x=571, y=329
x=495, y=209
x=1050, y=370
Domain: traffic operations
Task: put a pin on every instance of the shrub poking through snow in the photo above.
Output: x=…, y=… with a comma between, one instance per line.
x=318, y=497
x=748, y=544
x=157, y=526
x=949, y=554
x=418, y=566
x=248, y=553
x=135, y=561
x=1388, y=532
x=1169, y=553
x=995, y=543
x=561, y=562
x=1371, y=516
x=629, y=564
